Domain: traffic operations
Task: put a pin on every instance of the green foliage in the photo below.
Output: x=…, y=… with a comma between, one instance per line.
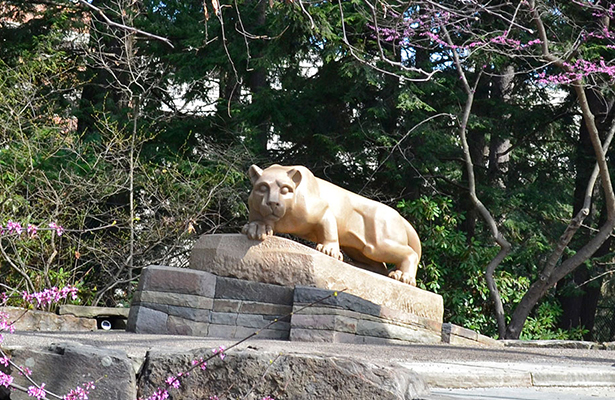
x=543, y=325
x=451, y=264
x=49, y=174
x=264, y=84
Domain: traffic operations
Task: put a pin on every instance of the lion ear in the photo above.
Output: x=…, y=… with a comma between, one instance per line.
x=295, y=175
x=255, y=173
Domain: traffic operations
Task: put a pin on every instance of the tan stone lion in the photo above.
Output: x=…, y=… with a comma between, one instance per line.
x=293, y=200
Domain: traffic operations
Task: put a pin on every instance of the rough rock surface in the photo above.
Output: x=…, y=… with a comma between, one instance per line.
x=255, y=374
x=93, y=312
x=284, y=262
x=65, y=366
x=34, y=320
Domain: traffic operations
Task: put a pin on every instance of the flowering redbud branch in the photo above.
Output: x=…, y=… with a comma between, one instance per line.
x=17, y=229
x=37, y=391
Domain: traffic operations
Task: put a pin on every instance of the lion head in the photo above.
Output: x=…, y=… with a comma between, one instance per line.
x=273, y=191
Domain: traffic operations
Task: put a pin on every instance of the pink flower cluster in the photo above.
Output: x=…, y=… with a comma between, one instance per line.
x=37, y=392
x=220, y=351
x=597, y=10
x=16, y=228
x=579, y=70
x=49, y=296
x=202, y=364
x=80, y=393
x=501, y=39
x=5, y=324
x=59, y=230
x=515, y=44
x=5, y=380
x=174, y=381
x=160, y=394
x=42, y=298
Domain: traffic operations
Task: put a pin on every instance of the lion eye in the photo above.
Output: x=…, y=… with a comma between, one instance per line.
x=285, y=190
x=262, y=188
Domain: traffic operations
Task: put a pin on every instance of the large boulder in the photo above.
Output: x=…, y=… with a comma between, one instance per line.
x=288, y=263
x=251, y=374
x=64, y=366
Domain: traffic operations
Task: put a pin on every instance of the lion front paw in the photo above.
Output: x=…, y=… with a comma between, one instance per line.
x=332, y=250
x=403, y=277
x=257, y=230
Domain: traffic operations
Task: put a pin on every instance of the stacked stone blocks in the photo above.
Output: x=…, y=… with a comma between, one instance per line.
x=188, y=302
x=461, y=336
x=343, y=317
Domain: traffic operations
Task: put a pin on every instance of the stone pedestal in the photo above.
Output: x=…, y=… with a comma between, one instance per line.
x=285, y=262
x=236, y=286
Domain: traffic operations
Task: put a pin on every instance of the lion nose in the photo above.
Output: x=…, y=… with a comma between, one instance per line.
x=273, y=203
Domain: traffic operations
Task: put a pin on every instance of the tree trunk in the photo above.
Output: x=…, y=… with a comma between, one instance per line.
x=257, y=82
x=552, y=273
x=505, y=246
x=500, y=143
x=476, y=147
x=579, y=308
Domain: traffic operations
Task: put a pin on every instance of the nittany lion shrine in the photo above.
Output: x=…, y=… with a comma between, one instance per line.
x=237, y=284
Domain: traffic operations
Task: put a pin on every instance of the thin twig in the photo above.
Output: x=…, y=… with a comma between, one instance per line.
x=122, y=26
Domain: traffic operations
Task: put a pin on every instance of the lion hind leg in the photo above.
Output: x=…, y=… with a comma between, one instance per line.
x=404, y=257
x=406, y=270
x=361, y=261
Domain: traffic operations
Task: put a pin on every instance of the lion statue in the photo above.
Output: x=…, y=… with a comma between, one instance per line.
x=292, y=200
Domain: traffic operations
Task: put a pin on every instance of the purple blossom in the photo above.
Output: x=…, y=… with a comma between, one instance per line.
x=80, y=393
x=37, y=392
x=5, y=325
x=160, y=394
x=5, y=380
x=220, y=351
x=13, y=227
x=32, y=229
x=173, y=381
x=59, y=230
x=202, y=364
x=49, y=296
x=579, y=70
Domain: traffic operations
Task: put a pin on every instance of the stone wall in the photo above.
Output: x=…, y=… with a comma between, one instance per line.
x=346, y=318
x=287, y=263
x=190, y=302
